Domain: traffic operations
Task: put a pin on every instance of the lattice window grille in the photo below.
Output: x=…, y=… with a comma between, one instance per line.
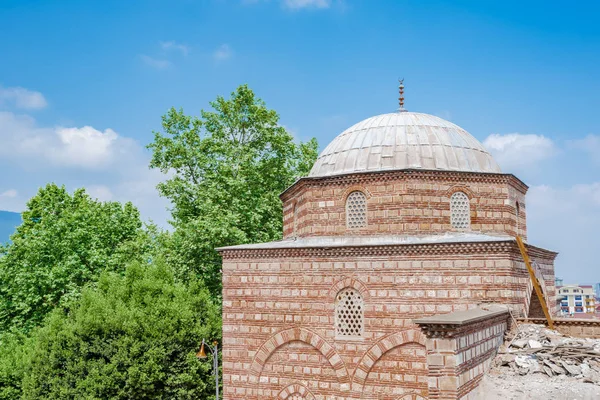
x=349, y=313
x=356, y=210
x=460, y=211
x=296, y=396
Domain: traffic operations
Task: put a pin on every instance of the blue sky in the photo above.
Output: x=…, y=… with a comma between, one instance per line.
x=83, y=84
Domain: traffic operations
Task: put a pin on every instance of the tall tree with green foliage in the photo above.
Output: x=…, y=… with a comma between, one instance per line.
x=132, y=337
x=226, y=170
x=65, y=242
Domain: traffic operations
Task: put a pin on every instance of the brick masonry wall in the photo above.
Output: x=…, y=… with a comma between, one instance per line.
x=278, y=314
x=404, y=202
x=458, y=357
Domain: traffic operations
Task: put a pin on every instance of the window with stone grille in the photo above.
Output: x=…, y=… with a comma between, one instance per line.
x=460, y=211
x=296, y=396
x=349, y=313
x=356, y=210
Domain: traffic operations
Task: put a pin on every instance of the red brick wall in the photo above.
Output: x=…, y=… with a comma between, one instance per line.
x=404, y=202
x=278, y=313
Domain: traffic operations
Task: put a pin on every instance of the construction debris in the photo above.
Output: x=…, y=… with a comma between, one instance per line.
x=532, y=349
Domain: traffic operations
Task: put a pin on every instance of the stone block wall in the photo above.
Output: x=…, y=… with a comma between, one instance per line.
x=459, y=354
x=404, y=202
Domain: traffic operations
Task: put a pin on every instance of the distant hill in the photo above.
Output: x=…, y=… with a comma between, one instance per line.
x=8, y=222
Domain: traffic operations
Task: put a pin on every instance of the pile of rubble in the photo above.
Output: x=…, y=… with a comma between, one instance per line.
x=534, y=349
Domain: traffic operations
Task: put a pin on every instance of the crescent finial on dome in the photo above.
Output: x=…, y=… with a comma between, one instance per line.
x=401, y=98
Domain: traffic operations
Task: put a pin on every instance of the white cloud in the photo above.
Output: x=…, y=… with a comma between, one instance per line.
x=84, y=147
x=515, y=151
x=223, y=53
x=110, y=166
x=445, y=114
x=589, y=144
x=100, y=192
x=10, y=193
x=155, y=62
x=300, y=4
x=22, y=98
x=10, y=201
x=172, y=45
x=567, y=220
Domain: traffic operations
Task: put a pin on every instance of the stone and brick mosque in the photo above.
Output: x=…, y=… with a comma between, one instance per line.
x=394, y=277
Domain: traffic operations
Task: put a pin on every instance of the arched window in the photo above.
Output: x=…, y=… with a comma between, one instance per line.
x=349, y=313
x=356, y=210
x=460, y=211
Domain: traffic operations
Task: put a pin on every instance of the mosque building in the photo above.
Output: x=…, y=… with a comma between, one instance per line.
x=402, y=233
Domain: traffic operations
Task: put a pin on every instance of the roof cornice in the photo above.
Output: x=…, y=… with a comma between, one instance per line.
x=370, y=176
x=452, y=249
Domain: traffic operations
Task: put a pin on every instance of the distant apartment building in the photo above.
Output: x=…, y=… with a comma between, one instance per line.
x=577, y=299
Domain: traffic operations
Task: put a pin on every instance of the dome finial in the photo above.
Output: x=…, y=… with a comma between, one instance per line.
x=401, y=98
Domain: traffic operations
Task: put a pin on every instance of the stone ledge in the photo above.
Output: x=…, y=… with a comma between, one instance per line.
x=460, y=318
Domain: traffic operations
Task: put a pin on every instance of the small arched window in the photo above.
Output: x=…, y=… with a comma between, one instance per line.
x=349, y=313
x=460, y=211
x=356, y=210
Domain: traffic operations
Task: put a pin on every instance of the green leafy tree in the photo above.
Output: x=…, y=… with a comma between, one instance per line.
x=65, y=241
x=132, y=337
x=226, y=170
x=13, y=360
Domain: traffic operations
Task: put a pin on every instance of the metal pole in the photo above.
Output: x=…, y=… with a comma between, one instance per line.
x=216, y=367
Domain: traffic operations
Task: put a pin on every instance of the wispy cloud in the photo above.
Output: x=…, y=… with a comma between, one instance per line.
x=10, y=193
x=515, y=151
x=155, y=62
x=10, y=201
x=589, y=144
x=566, y=219
x=223, y=53
x=172, y=45
x=295, y=5
x=302, y=4
x=22, y=98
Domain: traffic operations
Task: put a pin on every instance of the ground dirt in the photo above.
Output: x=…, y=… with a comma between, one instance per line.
x=538, y=386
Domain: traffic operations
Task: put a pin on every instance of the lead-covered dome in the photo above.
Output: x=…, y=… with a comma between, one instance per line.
x=403, y=140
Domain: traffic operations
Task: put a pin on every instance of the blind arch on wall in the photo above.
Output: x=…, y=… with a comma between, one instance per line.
x=460, y=211
x=349, y=313
x=356, y=210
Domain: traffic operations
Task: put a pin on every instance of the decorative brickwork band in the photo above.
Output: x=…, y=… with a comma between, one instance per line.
x=462, y=248
x=346, y=282
x=355, y=188
x=460, y=188
x=305, y=336
x=363, y=179
x=294, y=391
